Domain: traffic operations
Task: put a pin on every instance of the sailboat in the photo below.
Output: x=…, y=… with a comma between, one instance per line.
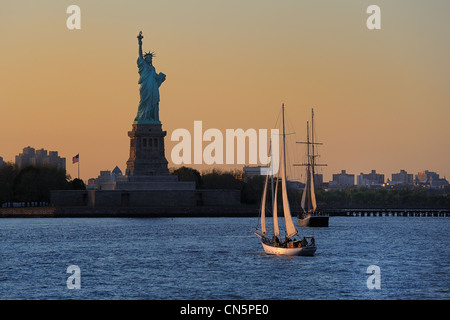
x=290, y=246
x=310, y=216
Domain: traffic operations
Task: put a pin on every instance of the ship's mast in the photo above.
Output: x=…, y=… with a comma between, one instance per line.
x=310, y=165
x=313, y=159
x=284, y=145
x=271, y=176
x=308, y=171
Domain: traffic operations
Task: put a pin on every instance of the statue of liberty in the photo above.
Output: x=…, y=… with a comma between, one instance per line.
x=148, y=111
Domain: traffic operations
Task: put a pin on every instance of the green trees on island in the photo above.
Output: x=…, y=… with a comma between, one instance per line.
x=407, y=196
x=32, y=184
x=251, y=191
x=217, y=179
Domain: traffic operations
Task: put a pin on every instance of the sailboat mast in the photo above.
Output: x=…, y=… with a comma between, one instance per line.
x=271, y=174
x=284, y=146
x=313, y=159
x=308, y=170
x=307, y=143
x=308, y=197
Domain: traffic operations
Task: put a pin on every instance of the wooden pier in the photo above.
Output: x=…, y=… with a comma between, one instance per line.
x=388, y=212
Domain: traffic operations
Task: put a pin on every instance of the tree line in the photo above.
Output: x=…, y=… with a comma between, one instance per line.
x=406, y=197
x=32, y=184
x=355, y=197
x=251, y=189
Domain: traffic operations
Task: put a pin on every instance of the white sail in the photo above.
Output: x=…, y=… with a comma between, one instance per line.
x=308, y=203
x=305, y=191
x=263, y=207
x=311, y=169
x=276, y=229
x=311, y=189
x=309, y=197
x=290, y=228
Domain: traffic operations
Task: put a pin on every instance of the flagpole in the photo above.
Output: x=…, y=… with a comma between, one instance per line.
x=78, y=166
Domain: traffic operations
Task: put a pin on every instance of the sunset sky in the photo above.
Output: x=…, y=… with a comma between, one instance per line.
x=381, y=97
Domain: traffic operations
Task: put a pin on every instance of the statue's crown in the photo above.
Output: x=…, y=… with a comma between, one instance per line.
x=152, y=54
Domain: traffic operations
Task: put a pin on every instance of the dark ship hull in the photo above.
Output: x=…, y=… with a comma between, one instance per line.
x=314, y=220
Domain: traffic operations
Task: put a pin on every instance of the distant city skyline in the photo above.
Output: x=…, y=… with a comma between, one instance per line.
x=38, y=157
x=32, y=156
x=380, y=96
x=372, y=178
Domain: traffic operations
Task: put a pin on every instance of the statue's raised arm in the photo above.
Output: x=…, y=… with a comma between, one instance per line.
x=140, y=36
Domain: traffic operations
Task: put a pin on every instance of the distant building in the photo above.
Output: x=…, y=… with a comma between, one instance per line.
x=430, y=179
x=402, y=178
x=440, y=183
x=32, y=157
x=342, y=180
x=425, y=177
x=106, y=180
x=372, y=179
x=1, y=161
x=116, y=172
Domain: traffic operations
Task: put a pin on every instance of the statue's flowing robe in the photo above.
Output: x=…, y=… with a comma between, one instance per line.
x=150, y=81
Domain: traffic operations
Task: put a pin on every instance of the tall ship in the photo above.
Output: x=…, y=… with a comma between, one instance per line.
x=272, y=244
x=310, y=216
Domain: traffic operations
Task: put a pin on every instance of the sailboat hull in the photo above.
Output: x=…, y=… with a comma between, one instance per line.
x=300, y=251
x=313, y=221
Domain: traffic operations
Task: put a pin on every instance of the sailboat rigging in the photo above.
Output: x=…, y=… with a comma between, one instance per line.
x=310, y=216
x=290, y=246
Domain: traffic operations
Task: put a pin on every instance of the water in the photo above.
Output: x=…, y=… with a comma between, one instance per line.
x=221, y=259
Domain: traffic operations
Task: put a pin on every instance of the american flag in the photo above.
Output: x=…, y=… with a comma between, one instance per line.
x=76, y=158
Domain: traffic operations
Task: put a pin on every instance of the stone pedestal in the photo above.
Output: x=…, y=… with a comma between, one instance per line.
x=147, y=166
x=147, y=156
